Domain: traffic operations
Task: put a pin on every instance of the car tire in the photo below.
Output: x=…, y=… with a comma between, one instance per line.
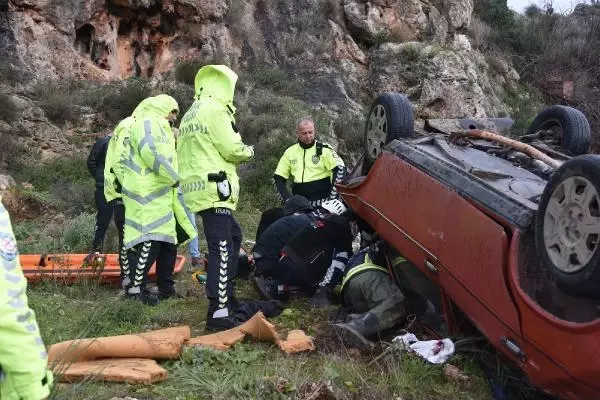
x=570, y=124
x=567, y=230
x=390, y=117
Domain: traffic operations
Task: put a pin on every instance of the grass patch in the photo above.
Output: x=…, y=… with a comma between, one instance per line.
x=250, y=369
x=43, y=175
x=119, y=101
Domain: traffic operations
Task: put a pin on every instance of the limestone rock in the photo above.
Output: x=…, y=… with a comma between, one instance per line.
x=7, y=182
x=459, y=12
x=381, y=20
x=344, y=52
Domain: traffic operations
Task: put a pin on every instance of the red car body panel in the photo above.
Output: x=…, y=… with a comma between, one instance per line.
x=473, y=256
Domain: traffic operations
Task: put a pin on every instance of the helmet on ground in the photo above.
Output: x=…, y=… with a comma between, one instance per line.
x=295, y=204
x=334, y=206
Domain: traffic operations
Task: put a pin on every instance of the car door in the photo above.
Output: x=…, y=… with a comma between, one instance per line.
x=405, y=206
x=473, y=255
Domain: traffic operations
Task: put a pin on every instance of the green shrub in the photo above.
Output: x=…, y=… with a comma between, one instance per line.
x=74, y=197
x=120, y=100
x=184, y=95
x=185, y=71
x=11, y=152
x=58, y=99
x=525, y=103
x=272, y=79
x=12, y=75
x=9, y=111
x=43, y=175
x=256, y=178
x=264, y=113
x=349, y=129
x=411, y=53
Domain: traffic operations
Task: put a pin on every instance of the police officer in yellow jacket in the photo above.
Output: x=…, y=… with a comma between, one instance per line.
x=209, y=149
x=117, y=157
x=156, y=219
x=313, y=167
x=23, y=359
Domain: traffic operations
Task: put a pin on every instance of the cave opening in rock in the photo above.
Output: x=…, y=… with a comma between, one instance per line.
x=125, y=26
x=84, y=39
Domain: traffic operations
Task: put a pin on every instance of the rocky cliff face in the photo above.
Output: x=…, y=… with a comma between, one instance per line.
x=343, y=52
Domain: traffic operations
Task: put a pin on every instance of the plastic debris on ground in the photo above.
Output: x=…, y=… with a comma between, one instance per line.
x=434, y=351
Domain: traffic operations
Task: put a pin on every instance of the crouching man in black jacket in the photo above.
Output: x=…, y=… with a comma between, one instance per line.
x=304, y=249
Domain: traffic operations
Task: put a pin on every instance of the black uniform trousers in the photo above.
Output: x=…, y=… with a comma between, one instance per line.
x=224, y=237
x=141, y=260
x=103, y=216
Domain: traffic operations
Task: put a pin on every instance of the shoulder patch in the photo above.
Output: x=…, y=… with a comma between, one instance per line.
x=8, y=247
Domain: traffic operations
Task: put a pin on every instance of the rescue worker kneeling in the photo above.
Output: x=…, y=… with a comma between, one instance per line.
x=155, y=216
x=373, y=299
x=304, y=249
x=23, y=359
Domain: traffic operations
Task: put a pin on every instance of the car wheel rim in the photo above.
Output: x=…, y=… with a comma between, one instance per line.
x=572, y=224
x=376, y=130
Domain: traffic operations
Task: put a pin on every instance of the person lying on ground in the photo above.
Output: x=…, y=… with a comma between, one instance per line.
x=372, y=301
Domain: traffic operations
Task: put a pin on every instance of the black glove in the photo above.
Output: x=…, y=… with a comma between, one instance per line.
x=321, y=298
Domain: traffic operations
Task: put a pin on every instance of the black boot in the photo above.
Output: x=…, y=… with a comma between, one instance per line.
x=355, y=332
x=145, y=296
x=216, y=321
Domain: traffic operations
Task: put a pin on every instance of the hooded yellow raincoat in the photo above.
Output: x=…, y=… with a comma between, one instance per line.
x=154, y=206
x=209, y=145
x=118, y=154
x=23, y=359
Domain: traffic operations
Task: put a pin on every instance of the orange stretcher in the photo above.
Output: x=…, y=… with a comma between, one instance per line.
x=72, y=267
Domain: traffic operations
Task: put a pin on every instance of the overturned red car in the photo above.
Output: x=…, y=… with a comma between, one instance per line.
x=505, y=232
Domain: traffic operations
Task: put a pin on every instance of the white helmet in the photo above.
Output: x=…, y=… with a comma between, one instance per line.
x=334, y=206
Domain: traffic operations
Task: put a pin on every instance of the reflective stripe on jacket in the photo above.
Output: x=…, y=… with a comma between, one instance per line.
x=23, y=358
x=209, y=146
x=153, y=204
x=366, y=265
x=310, y=170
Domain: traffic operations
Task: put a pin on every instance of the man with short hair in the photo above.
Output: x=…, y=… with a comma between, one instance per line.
x=312, y=167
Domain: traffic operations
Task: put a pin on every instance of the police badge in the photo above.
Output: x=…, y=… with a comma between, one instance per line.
x=8, y=247
x=315, y=159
